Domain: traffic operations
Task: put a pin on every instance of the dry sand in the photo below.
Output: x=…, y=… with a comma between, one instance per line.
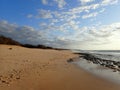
x=38, y=69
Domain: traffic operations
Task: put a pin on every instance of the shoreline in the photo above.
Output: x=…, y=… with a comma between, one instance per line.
x=102, y=68
x=38, y=69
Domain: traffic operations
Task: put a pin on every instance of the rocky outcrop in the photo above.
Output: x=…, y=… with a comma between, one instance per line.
x=115, y=65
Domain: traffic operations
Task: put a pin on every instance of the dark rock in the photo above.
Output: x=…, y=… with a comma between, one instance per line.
x=115, y=65
x=70, y=60
x=10, y=48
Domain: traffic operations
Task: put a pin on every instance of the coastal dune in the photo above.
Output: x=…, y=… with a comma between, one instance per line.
x=45, y=69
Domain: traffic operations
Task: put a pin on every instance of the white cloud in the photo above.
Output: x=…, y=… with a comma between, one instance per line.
x=45, y=2
x=107, y=2
x=84, y=8
x=93, y=14
x=100, y=37
x=61, y=3
x=43, y=24
x=85, y=1
x=90, y=15
x=44, y=14
x=63, y=27
x=24, y=34
x=73, y=13
x=104, y=31
x=74, y=25
x=27, y=34
x=29, y=16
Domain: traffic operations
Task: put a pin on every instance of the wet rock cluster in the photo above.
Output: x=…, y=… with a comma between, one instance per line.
x=115, y=65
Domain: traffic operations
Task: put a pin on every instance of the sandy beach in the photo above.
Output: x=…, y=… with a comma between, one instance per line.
x=45, y=69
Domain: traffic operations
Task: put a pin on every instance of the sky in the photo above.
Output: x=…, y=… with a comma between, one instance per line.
x=71, y=24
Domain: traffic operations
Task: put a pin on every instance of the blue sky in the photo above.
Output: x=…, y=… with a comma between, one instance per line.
x=74, y=24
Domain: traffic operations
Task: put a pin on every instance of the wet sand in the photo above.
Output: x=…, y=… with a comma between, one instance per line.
x=38, y=69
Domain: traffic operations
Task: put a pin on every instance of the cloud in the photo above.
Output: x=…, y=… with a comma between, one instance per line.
x=80, y=9
x=64, y=18
x=100, y=33
x=45, y=14
x=45, y=2
x=29, y=16
x=60, y=3
x=85, y=37
x=23, y=34
x=70, y=14
x=104, y=31
x=93, y=14
x=27, y=34
x=85, y=1
x=102, y=37
x=90, y=15
x=76, y=13
x=107, y=2
x=74, y=25
x=63, y=27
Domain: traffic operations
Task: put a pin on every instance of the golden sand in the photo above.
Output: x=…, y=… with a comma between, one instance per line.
x=38, y=69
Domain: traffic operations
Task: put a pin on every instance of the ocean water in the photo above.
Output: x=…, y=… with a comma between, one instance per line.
x=96, y=69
